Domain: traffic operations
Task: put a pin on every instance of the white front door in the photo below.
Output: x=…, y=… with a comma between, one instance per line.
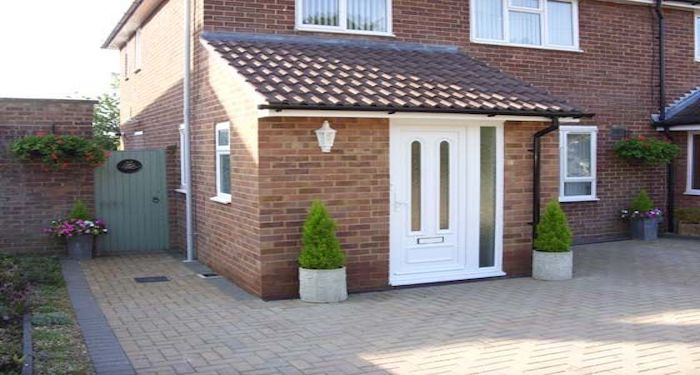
x=446, y=204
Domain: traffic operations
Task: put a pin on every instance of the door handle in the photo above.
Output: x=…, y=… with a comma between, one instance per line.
x=155, y=200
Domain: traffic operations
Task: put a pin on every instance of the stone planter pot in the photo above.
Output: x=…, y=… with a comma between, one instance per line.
x=323, y=286
x=80, y=247
x=552, y=266
x=645, y=229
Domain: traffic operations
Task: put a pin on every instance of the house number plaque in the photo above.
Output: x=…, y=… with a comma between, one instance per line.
x=129, y=166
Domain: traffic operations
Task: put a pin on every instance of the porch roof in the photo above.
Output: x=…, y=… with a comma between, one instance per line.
x=293, y=72
x=684, y=111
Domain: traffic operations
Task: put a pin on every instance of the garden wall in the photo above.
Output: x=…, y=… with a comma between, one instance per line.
x=30, y=195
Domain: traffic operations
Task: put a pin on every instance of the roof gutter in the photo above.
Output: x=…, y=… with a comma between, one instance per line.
x=392, y=110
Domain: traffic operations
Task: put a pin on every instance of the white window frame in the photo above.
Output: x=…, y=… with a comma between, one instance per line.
x=564, y=131
x=696, y=29
x=183, y=160
x=691, y=146
x=221, y=150
x=544, y=28
x=138, y=51
x=343, y=20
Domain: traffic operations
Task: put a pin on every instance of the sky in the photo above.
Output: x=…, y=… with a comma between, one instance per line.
x=51, y=48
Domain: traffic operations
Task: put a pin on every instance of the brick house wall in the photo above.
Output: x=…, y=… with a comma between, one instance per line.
x=254, y=240
x=614, y=77
x=30, y=195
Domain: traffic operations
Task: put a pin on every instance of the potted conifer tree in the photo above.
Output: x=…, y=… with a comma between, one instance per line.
x=322, y=276
x=553, y=259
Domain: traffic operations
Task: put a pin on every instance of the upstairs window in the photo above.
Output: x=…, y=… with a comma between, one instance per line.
x=527, y=23
x=697, y=36
x=138, y=47
x=577, y=145
x=346, y=16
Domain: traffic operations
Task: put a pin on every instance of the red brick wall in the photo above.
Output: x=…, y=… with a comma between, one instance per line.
x=353, y=181
x=30, y=195
x=614, y=76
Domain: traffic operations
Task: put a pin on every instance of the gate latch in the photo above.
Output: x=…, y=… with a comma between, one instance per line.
x=156, y=200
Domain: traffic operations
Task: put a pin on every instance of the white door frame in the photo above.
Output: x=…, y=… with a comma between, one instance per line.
x=471, y=269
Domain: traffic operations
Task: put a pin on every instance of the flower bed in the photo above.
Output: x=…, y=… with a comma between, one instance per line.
x=56, y=338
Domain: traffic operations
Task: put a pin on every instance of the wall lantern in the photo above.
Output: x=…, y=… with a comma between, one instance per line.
x=326, y=137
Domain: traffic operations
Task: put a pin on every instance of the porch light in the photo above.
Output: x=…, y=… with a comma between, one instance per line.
x=326, y=137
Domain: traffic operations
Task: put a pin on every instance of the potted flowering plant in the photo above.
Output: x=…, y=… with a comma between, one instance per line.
x=79, y=230
x=644, y=217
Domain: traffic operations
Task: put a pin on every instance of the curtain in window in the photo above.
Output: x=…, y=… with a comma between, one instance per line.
x=560, y=16
x=489, y=19
x=367, y=15
x=321, y=12
x=534, y=4
x=525, y=28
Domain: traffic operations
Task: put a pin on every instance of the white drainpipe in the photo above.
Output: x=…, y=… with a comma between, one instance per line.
x=186, y=121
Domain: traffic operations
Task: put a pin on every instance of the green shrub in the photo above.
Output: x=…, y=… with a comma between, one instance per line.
x=688, y=215
x=79, y=211
x=642, y=202
x=553, y=232
x=320, y=247
x=650, y=151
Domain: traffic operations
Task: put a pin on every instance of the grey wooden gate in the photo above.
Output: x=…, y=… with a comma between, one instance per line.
x=131, y=197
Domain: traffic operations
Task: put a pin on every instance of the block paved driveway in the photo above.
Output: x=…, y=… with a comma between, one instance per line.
x=632, y=308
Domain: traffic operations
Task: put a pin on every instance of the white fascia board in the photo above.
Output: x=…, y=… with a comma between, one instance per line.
x=264, y=113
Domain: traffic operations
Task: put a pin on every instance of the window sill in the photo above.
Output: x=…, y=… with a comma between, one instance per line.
x=221, y=199
x=181, y=191
x=343, y=31
x=546, y=48
x=692, y=192
x=578, y=199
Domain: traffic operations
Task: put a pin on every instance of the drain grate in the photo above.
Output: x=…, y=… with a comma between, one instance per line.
x=151, y=279
x=209, y=275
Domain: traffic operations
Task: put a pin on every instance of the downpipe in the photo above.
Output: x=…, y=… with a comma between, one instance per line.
x=186, y=116
x=537, y=172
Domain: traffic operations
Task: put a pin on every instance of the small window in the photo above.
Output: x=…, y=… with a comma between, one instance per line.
x=223, y=163
x=126, y=63
x=138, y=47
x=577, y=163
x=183, y=160
x=528, y=23
x=348, y=16
x=693, y=163
x=697, y=36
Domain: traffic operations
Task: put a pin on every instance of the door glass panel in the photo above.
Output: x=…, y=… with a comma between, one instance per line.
x=487, y=222
x=696, y=162
x=444, y=185
x=416, y=186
